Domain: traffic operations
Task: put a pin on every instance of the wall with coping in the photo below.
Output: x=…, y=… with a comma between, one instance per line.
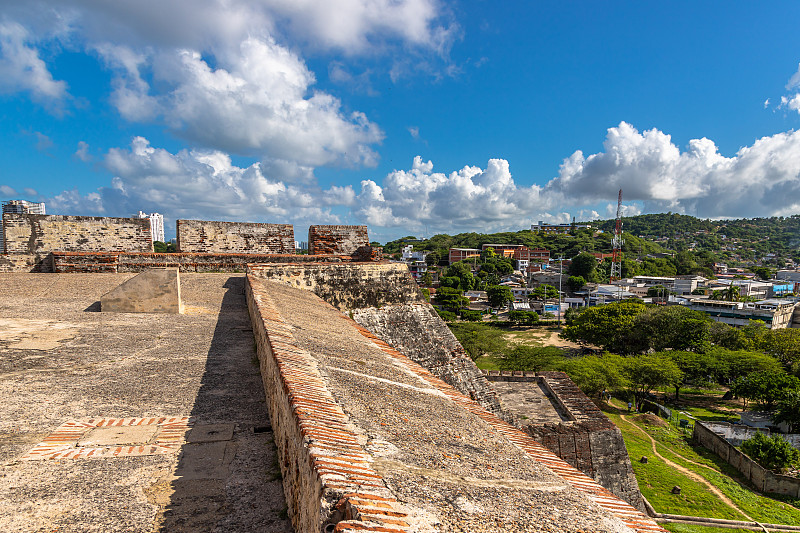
x=347, y=286
x=63, y=262
x=327, y=471
x=41, y=234
x=234, y=237
x=763, y=479
x=342, y=240
x=26, y=262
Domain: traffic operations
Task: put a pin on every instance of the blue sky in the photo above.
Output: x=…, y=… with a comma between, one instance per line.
x=410, y=116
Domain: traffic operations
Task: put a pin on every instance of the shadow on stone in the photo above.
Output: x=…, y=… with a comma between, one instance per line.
x=223, y=480
x=94, y=308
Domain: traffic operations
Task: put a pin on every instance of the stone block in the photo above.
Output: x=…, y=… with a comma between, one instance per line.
x=153, y=291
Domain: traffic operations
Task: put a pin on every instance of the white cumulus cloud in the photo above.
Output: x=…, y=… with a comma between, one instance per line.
x=21, y=68
x=196, y=184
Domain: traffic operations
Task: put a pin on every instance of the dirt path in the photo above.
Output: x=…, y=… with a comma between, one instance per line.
x=687, y=472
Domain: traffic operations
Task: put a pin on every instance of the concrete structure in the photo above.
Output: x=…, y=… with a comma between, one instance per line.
x=24, y=207
x=776, y=314
x=337, y=240
x=205, y=236
x=684, y=285
x=152, y=291
x=156, y=224
x=764, y=480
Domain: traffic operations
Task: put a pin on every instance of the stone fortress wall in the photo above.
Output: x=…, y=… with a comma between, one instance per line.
x=29, y=240
x=341, y=240
x=383, y=301
x=579, y=433
x=234, y=237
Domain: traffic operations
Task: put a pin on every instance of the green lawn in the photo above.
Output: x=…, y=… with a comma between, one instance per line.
x=656, y=478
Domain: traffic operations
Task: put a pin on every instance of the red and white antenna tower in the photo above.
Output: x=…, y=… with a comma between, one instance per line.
x=616, y=244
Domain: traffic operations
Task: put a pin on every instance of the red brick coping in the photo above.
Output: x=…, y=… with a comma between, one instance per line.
x=339, y=466
x=63, y=442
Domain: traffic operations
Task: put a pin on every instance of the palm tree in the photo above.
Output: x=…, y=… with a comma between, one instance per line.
x=732, y=293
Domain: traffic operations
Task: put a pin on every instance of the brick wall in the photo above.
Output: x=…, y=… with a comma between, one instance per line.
x=343, y=240
x=234, y=237
x=41, y=234
x=763, y=479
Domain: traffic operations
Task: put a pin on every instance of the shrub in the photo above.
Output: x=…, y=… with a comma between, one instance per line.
x=471, y=315
x=771, y=452
x=447, y=316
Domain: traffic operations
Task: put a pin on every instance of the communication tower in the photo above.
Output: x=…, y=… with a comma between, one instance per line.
x=616, y=244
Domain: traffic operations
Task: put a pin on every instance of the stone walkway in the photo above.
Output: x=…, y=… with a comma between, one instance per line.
x=96, y=407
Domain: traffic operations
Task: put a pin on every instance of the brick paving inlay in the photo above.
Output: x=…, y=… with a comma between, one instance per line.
x=64, y=443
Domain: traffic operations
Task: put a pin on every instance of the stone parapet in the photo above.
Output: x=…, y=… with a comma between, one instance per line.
x=41, y=234
x=327, y=476
x=340, y=240
x=347, y=286
x=234, y=237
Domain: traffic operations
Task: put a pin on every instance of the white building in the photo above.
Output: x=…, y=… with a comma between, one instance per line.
x=156, y=224
x=409, y=255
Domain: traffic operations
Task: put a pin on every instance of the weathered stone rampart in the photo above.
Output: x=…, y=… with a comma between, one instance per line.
x=341, y=240
x=234, y=237
x=371, y=441
x=416, y=331
x=347, y=286
x=585, y=437
x=42, y=234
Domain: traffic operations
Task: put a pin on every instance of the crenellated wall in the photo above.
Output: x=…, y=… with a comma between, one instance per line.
x=42, y=234
x=342, y=240
x=234, y=237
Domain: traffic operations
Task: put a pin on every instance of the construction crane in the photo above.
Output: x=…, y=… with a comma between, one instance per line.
x=616, y=244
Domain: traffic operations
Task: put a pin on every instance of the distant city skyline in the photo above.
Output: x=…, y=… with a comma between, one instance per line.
x=413, y=117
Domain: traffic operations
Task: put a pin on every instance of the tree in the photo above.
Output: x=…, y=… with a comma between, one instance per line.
x=433, y=258
x=159, y=247
x=607, y=326
x=450, y=298
x=575, y=283
x=520, y=317
x=426, y=280
x=671, y=327
x=584, y=265
x=593, y=374
x=479, y=339
x=787, y=410
x=647, y=372
x=471, y=315
x=544, y=292
x=657, y=291
x=771, y=452
x=498, y=295
x=731, y=294
x=765, y=387
x=535, y=358
x=763, y=272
